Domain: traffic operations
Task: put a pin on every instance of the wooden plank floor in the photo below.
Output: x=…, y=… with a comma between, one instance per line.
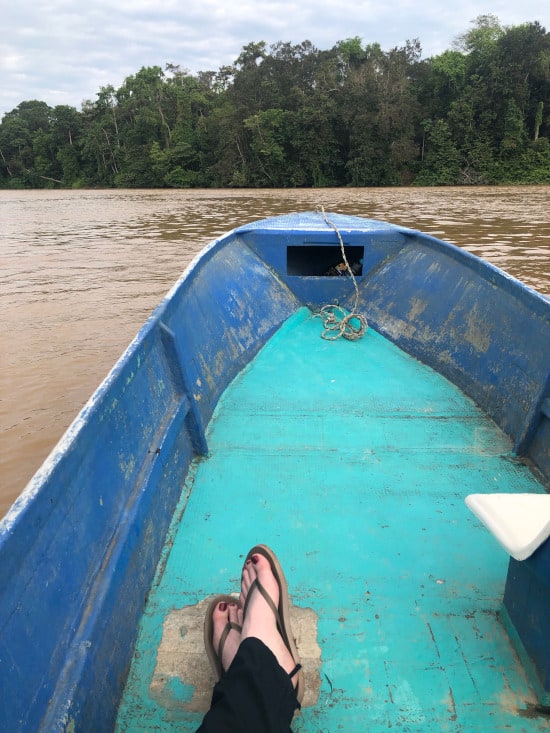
x=352, y=461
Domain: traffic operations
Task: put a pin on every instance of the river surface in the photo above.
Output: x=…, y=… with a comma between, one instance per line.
x=81, y=270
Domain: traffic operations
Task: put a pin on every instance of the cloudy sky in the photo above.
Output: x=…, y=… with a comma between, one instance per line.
x=63, y=51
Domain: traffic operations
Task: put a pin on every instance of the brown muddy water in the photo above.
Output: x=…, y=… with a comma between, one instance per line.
x=81, y=270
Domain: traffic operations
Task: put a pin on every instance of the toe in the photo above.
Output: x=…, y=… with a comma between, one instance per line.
x=235, y=614
x=258, y=568
x=264, y=573
x=247, y=577
x=225, y=640
x=220, y=616
x=220, y=612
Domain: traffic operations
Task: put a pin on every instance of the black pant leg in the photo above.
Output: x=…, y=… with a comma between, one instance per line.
x=255, y=695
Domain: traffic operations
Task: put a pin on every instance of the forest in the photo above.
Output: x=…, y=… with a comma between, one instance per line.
x=296, y=116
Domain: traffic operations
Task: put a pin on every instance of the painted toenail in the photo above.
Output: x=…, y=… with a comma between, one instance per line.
x=254, y=559
x=223, y=606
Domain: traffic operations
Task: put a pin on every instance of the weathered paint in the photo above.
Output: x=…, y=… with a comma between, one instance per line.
x=79, y=548
x=352, y=460
x=182, y=679
x=467, y=319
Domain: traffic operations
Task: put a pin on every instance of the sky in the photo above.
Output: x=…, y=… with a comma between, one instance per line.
x=64, y=51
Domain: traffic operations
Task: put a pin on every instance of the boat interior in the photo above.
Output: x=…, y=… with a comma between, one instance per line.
x=352, y=460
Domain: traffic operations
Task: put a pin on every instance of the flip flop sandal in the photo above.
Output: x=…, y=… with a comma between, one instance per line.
x=281, y=613
x=215, y=655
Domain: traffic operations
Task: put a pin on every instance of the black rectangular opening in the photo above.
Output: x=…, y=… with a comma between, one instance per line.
x=323, y=260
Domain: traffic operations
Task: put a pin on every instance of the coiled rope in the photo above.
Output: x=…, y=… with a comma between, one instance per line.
x=337, y=322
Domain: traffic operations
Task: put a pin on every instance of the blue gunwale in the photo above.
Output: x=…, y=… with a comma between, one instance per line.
x=352, y=460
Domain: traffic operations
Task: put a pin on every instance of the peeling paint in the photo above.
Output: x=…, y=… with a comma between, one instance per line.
x=418, y=306
x=127, y=466
x=476, y=332
x=183, y=680
x=407, y=702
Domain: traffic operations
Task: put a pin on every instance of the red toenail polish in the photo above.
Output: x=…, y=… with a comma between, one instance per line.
x=254, y=559
x=223, y=606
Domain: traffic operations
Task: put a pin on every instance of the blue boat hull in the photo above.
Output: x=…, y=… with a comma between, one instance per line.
x=79, y=548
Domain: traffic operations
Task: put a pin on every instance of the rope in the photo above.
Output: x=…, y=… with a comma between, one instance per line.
x=337, y=322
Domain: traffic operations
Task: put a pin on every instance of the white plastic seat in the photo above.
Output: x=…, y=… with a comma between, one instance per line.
x=520, y=522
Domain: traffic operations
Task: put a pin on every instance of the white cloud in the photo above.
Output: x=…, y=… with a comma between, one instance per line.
x=63, y=51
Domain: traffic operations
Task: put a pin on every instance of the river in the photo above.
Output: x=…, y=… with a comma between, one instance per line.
x=81, y=270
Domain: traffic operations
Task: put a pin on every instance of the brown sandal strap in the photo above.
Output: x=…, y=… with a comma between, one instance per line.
x=229, y=626
x=256, y=585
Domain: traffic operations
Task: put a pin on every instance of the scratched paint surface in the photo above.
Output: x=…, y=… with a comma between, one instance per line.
x=352, y=461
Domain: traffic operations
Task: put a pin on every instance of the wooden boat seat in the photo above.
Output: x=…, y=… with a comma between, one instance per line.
x=520, y=522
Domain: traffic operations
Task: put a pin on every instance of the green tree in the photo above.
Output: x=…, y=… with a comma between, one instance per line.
x=23, y=144
x=442, y=160
x=523, y=72
x=441, y=83
x=15, y=151
x=267, y=144
x=381, y=116
x=101, y=140
x=66, y=132
x=294, y=115
x=481, y=39
x=515, y=135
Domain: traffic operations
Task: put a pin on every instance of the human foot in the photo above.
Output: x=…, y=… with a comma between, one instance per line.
x=222, y=632
x=264, y=599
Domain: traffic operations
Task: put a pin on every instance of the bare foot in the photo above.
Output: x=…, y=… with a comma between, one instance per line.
x=223, y=614
x=260, y=621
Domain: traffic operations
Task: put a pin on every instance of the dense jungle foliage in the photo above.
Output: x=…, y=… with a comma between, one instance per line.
x=293, y=115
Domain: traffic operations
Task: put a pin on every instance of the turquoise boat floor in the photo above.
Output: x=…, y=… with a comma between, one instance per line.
x=352, y=461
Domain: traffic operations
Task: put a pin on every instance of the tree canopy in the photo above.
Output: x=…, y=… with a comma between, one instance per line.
x=294, y=115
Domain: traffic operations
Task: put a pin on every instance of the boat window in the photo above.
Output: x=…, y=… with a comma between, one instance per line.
x=323, y=260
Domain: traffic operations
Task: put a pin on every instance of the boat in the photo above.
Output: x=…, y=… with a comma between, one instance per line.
x=337, y=388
